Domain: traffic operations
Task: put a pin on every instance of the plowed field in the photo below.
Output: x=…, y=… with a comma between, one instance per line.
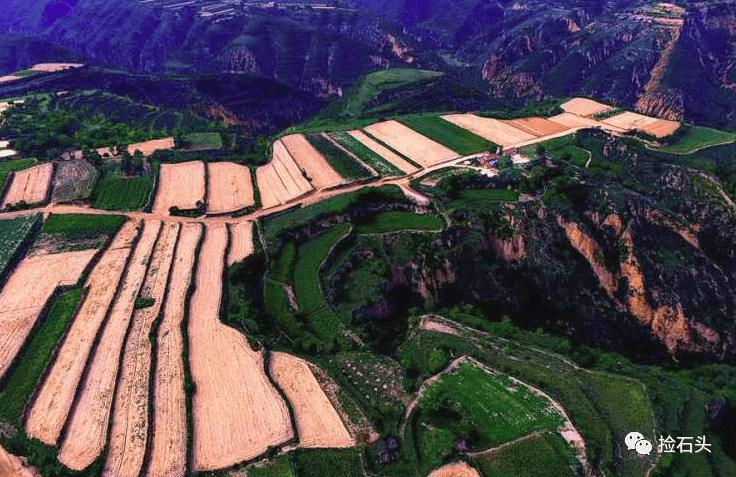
x=492, y=129
x=30, y=185
x=410, y=143
x=384, y=152
x=241, y=241
x=320, y=173
x=180, y=185
x=584, y=107
x=229, y=188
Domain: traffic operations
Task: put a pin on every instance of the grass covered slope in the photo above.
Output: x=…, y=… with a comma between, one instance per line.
x=540, y=455
x=696, y=138
x=449, y=135
x=373, y=84
x=389, y=222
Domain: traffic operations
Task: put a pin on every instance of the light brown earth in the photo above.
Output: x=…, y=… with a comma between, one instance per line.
x=630, y=121
x=129, y=433
x=584, y=107
x=537, y=126
x=86, y=431
x=281, y=180
x=456, y=469
x=272, y=191
x=149, y=147
x=14, y=466
x=30, y=185
x=169, y=439
x=661, y=128
x=491, y=129
x=229, y=187
x=9, y=78
x=410, y=143
x=318, y=170
x=288, y=170
x=578, y=122
x=241, y=241
x=384, y=152
x=237, y=413
x=180, y=185
x=318, y=424
x=54, y=67
x=26, y=292
x=50, y=409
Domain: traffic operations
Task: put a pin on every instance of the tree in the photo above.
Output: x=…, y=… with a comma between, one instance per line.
x=541, y=150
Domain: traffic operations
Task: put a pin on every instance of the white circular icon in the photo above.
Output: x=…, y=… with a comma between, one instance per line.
x=644, y=447
x=636, y=441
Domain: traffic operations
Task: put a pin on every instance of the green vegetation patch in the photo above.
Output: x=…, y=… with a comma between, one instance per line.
x=397, y=221
x=12, y=233
x=374, y=83
x=343, y=163
x=539, y=456
x=116, y=192
x=381, y=165
x=82, y=226
x=36, y=355
x=329, y=463
x=449, y=135
x=277, y=467
x=563, y=148
x=479, y=197
x=202, y=141
x=696, y=138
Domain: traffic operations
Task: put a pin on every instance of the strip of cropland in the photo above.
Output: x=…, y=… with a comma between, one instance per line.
x=49, y=411
x=168, y=454
x=630, y=121
x=12, y=234
x=661, y=128
x=280, y=180
x=413, y=145
x=494, y=130
x=384, y=152
x=14, y=466
x=25, y=294
x=129, y=433
x=180, y=185
x=86, y=431
x=317, y=422
x=318, y=170
x=365, y=154
x=537, y=126
x=236, y=411
x=340, y=160
x=573, y=121
x=30, y=186
x=449, y=135
x=241, y=241
x=456, y=469
x=584, y=107
x=229, y=187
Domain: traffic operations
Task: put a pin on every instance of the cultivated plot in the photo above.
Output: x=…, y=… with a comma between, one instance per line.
x=129, y=433
x=54, y=67
x=630, y=121
x=49, y=411
x=492, y=129
x=318, y=424
x=73, y=180
x=281, y=180
x=241, y=241
x=169, y=438
x=30, y=186
x=13, y=466
x=318, y=170
x=661, y=128
x=584, y=107
x=411, y=144
x=236, y=411
x=26, y=292
x=537, y=126
x=456, y=469
x=86, y=431
x=229, y=187
x=574, y=122
x=384, y=152
x=180, y=185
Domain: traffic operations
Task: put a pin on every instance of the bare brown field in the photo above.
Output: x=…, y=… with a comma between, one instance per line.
x=180, y=185
x=9, y=78
x=661, y=128
x=537, y=126
x=320, y=174
x=241, y=241
x=630, y=121
x=54, y=67
x=318, y=424
x=86, y=431
x=129, y=433
x=573, y=121
x=169, y=439
x=491, y=129
x=456, y=469
x=14, y=466
x=272, y=190
x=281, y=157
x=237, y=413
x=30, y=185
x=26, y=292
x=149, y=147
x=410, y=143
x=384, y=152
x=50, y=409
x=229, y=187
x=584, y=107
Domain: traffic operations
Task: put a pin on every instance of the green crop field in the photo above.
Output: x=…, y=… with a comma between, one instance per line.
x=123, y=193
x=12, y=233
x=328, y=463
x=397, y=221
x=203, y=141
x=449, y=135
x=343, y=163
x=81, y=226
x=697, y=137
x=479, y=197
x=278, y=467
x=497, y=409
x=374, y=83
x=381, y=165
x=539, y=456
x=36, y=354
